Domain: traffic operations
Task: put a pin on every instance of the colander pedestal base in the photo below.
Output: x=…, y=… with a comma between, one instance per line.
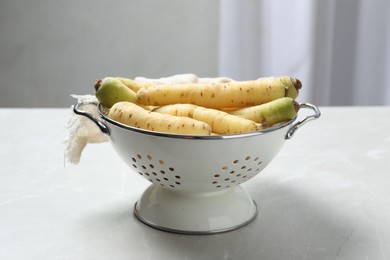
x=195, y=213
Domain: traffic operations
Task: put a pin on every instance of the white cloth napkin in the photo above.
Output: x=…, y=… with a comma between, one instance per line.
x=82, y=131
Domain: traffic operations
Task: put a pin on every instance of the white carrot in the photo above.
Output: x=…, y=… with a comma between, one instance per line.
x=268, y=114
x=133, y=115
x=221, y=95
x=220, y=122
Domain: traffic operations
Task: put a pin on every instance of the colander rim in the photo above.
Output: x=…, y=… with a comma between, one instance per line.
x=198, y=137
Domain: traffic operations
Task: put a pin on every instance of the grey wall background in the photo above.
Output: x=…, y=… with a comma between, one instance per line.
x=51, y=49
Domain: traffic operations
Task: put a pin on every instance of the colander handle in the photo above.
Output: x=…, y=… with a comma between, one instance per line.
x=100, y=124
x=298, y=124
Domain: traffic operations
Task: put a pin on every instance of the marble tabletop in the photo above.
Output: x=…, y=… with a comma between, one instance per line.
x=325, y=196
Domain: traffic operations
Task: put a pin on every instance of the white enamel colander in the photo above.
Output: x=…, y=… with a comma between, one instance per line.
x=195, y=180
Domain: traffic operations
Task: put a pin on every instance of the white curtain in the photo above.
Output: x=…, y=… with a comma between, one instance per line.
x=339, y=49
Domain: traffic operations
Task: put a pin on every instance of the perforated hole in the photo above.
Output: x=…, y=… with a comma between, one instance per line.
x=239, y=170
x=154, y=170
x=159, y=172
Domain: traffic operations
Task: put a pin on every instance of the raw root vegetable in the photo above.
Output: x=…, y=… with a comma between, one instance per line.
x=110, y=91
x=134, y=85
x=233, y=94
x=141, y=82
x=133, y=115
x=220, y=122
x=268, y=114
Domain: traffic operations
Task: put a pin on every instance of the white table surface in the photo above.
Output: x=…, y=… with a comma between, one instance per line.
x=325, y=196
